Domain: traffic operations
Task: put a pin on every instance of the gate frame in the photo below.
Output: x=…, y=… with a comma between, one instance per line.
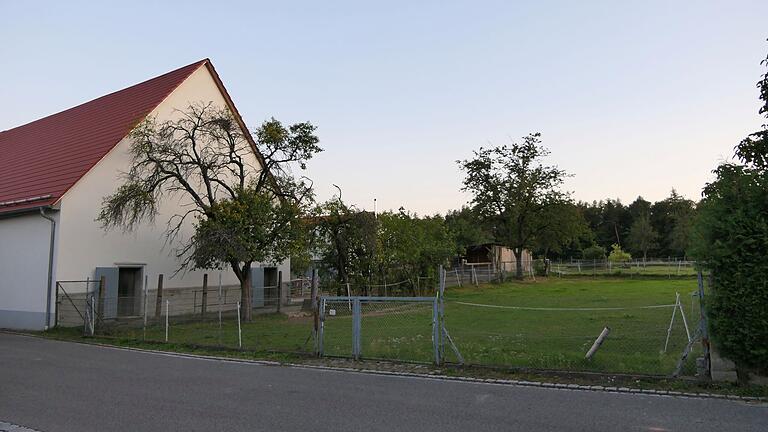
x=357, y=302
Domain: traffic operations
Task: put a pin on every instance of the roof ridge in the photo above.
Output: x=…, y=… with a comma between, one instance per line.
x=38, y=156
x=193, y=66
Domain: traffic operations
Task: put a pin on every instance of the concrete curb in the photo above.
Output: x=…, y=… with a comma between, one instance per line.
x=439, y=377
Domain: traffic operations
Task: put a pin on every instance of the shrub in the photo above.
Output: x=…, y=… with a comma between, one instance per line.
x=593, y=252
x=617, y=255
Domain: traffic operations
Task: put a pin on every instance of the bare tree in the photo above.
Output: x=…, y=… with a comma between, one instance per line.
x=229, y=182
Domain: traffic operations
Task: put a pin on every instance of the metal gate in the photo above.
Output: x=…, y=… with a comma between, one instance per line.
x=393, y=328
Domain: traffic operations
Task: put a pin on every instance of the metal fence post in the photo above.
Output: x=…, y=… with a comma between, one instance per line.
x=146, y=295
x=167, y=312
x=441, y=310
x=435, y=332
x=704, y=325
x=87, y=317
x=102, y=288
x=56, y=319
x=321, y=327
x=239, y=329
x=356, y=321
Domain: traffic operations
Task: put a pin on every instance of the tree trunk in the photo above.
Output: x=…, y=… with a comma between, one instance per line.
x=246, y=303
x=519, y=262
x=742, y=375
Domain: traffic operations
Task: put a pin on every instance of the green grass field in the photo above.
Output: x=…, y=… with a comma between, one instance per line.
x=485, y=326
x=559, y=339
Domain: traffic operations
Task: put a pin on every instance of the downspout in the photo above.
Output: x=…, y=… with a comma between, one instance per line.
x=50, y=268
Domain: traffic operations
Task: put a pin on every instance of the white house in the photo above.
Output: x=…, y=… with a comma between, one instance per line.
x=54, y=173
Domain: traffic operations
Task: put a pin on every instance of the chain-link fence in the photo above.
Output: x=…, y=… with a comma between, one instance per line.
x=640, y=339
x=640, y=325
x=657, y=267
x=618, y=326
x=394, y=328
x=192, y=316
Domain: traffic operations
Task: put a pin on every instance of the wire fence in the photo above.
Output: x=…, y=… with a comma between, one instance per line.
x=639, y=339
x=193, y=316
x=392, y=328
x=610, y=325
x=670, y=267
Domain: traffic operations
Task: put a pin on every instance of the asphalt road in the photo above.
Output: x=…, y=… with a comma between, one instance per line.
x=58, y=386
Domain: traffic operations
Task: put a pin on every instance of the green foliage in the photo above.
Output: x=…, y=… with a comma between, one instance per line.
x=410, y=246
x=642, y=236
x=566, y=226
x=363, y=249
x=513, y=192
x=467, y=229
x=246, y=203
x=593, y=252
x=731, y=240
x=345, y=240
x=671, y=220
x=617, y=255
x=254, y=227
x=613, y=222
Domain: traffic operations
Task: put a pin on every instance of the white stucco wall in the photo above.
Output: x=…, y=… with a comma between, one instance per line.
x=85, y=246
x=24, y=252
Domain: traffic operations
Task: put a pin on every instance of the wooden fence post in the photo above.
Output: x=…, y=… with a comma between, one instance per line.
x=204, y=307
x=279, y=290
x=159, y=302
x=315, y=308
x=102, y=288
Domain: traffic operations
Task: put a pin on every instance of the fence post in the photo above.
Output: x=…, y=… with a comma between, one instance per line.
x=87, y=314
x=56, y=316
x=435, y=332
x=219, y=302
x=441, y=308
x=167, y=312
x=204, y=306
x=102, y=288
x=159, y=302
x=279, y=290
x=146, y=299
x=356, y=318
x=704, y=326
x=315, y=312
x=239, y=329
x=321, y=328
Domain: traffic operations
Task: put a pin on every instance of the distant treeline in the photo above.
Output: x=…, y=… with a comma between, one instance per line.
x=652, y=229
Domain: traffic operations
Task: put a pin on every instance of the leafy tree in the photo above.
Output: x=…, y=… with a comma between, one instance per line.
x=680, y=236
x=410, y=246
x=513, y=191
x=567, y=225
x=467, y=229
x=670, y=218
x=594, y=252
x=617, y=255
x=206, y=160
x=609, y=220
x=345, y=238
x=642, y=236
x=731, y=240
x=639, y=208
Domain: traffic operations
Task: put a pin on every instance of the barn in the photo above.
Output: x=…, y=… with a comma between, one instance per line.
x=55, y=172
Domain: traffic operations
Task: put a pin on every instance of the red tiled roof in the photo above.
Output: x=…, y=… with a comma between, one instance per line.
x=40, y=161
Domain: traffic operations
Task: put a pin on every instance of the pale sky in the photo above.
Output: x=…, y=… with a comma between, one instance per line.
x=633, y=98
